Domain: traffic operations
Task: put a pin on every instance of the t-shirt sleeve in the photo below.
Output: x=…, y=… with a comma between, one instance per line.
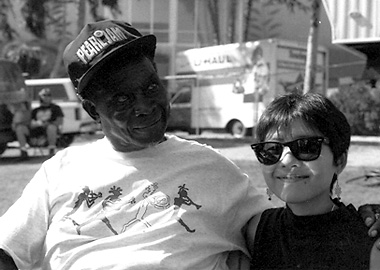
x=34, y=113
x=249, y=201
x=59, y=112
x=23, y=227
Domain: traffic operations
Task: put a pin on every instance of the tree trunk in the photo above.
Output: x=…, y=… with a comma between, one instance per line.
x=214, y=13
x=248, y=19
x=58, y=60
x=312, y=48
x=81, y=15
x=61, y=47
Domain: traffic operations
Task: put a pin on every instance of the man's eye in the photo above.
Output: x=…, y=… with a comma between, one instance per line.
x=122, y=101
x=152, y=89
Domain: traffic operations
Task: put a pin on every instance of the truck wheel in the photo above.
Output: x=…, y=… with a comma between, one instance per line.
x=193, y=131
x=3, y=146
x=237, y=129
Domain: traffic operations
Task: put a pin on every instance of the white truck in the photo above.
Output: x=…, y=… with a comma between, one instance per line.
x=226, y=87
x=76, y=121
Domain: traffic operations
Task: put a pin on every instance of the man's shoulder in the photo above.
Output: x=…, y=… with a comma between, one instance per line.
x=89, y=150
x=189, y=146
x=54, y=105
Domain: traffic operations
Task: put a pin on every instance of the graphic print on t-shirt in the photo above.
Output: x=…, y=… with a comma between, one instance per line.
x=44, y=115
x=183, y=199
x=120, y=214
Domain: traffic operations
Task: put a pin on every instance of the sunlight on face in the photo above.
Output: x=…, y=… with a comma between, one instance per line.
x=295, y=181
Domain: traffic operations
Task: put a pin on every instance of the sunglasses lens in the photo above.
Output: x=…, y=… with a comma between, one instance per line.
x=268, y=153
x=307, y=149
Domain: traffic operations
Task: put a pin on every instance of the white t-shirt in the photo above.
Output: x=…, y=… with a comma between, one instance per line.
x=178, y=205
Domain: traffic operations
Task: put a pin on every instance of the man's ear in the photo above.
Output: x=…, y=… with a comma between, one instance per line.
x=90, y=108
x=341, y=163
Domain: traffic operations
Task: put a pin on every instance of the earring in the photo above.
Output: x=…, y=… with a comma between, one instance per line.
x=269, y=193
x=337, y=190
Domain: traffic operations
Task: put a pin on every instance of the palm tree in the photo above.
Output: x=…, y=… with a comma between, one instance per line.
x=40, y=15
x=270, y=26
x=312, y=48
x=6, y=31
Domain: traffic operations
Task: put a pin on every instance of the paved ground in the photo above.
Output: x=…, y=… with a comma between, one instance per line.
x=364, y=156
x=239, y=149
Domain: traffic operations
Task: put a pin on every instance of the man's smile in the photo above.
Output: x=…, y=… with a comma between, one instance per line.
x=148, y=124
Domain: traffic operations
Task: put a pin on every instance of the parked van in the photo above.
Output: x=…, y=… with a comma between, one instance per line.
x=227, y=87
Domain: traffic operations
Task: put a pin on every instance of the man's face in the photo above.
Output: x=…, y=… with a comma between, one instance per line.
x=45, y=98
x=134, y=110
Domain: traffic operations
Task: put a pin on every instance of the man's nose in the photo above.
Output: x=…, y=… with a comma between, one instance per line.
x=143, y=106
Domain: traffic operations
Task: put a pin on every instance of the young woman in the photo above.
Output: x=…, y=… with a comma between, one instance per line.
x=302, y=147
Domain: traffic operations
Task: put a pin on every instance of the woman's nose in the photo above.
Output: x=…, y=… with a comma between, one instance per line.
x=287, y=158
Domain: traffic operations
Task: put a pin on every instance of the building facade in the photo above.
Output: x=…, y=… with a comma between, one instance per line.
x=186, y=24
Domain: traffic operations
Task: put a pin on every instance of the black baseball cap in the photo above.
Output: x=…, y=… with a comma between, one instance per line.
x=99, y=42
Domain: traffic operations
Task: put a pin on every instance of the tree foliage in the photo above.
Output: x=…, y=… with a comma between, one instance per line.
x=255, y=27
x=260, y=21
x=34, y=13
x=42, y=57
x=6, y=30
x=360, y=106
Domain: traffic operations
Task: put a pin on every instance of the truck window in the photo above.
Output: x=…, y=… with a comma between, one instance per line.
x=58, y=91
x=183, y=96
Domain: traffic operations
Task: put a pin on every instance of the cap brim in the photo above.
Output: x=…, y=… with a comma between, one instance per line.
x=146, y=43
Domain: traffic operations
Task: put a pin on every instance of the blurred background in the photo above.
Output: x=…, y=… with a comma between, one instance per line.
x=341, y=37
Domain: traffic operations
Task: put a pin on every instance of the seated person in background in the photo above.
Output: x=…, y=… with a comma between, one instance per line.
x=21, y=117
x=303, y=142
x=46, y=120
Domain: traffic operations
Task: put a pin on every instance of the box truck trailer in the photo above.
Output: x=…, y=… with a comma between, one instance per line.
x=226, y=87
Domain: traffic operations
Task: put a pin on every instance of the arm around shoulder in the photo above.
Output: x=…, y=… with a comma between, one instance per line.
x=251, y=231
x=6, y=261
x=375, y=258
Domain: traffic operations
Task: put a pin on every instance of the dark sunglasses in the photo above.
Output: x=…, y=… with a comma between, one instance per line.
x=305, y=149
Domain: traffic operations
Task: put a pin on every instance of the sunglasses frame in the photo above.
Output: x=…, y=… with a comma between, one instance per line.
x=293, y=146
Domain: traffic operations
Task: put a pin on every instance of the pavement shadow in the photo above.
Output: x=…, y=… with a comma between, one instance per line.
x=16, y=160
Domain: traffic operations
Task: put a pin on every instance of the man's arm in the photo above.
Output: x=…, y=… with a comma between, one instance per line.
x=58, y=122
x=375, y=258
x=6, y=261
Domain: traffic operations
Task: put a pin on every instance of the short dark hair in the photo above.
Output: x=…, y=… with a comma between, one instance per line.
x=316, y=110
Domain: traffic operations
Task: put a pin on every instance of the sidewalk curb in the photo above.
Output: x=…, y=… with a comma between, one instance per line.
x=365, y=140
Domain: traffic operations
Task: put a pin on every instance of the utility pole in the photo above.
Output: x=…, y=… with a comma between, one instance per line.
x=312, y=48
